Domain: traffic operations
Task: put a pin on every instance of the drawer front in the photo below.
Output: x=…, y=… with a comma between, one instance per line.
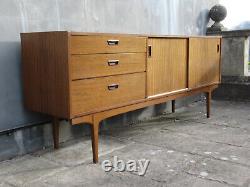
x=95, y=94
x=106, y=44
x=87, y=66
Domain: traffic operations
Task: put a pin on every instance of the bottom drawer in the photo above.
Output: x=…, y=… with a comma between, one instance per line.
x=100, y=93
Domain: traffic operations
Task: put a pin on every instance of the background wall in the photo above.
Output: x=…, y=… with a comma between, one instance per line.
x=176, y=17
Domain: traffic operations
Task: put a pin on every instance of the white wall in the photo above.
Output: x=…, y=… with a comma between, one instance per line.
x=175, y=17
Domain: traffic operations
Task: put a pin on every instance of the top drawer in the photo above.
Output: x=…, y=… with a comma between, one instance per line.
x=106, y=44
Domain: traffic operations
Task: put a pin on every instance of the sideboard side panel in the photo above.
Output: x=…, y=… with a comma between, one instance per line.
x=45, y=72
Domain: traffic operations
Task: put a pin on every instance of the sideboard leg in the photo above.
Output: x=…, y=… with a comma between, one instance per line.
x=208, y=98
x=55, y=126
x=173, y=106
x=94, y=137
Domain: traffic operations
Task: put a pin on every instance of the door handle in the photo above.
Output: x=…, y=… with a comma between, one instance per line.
x=149, y=50
x=218, y=48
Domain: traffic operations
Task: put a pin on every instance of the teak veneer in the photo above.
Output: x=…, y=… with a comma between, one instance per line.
x=88, y=77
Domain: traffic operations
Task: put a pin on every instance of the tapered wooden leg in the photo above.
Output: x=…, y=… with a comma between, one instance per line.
x=208, y=98
x=173, y=106
x=94, y=137
x=55, y=125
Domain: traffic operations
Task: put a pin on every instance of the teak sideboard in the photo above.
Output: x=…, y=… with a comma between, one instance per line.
x=87, y=77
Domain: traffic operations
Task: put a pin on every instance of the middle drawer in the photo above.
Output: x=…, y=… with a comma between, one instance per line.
x=97, y=65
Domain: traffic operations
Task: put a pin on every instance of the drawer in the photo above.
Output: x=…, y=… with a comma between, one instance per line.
x=96, y=65
x=106, y=44
x=95, y=94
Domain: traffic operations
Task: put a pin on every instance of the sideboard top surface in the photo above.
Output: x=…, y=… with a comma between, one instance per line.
x=121, y=34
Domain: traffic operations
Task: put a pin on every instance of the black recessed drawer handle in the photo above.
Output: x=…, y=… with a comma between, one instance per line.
x=113, y=86
x=113, y=62
x=218, y=48
x=150, y=50
x=113, y=42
